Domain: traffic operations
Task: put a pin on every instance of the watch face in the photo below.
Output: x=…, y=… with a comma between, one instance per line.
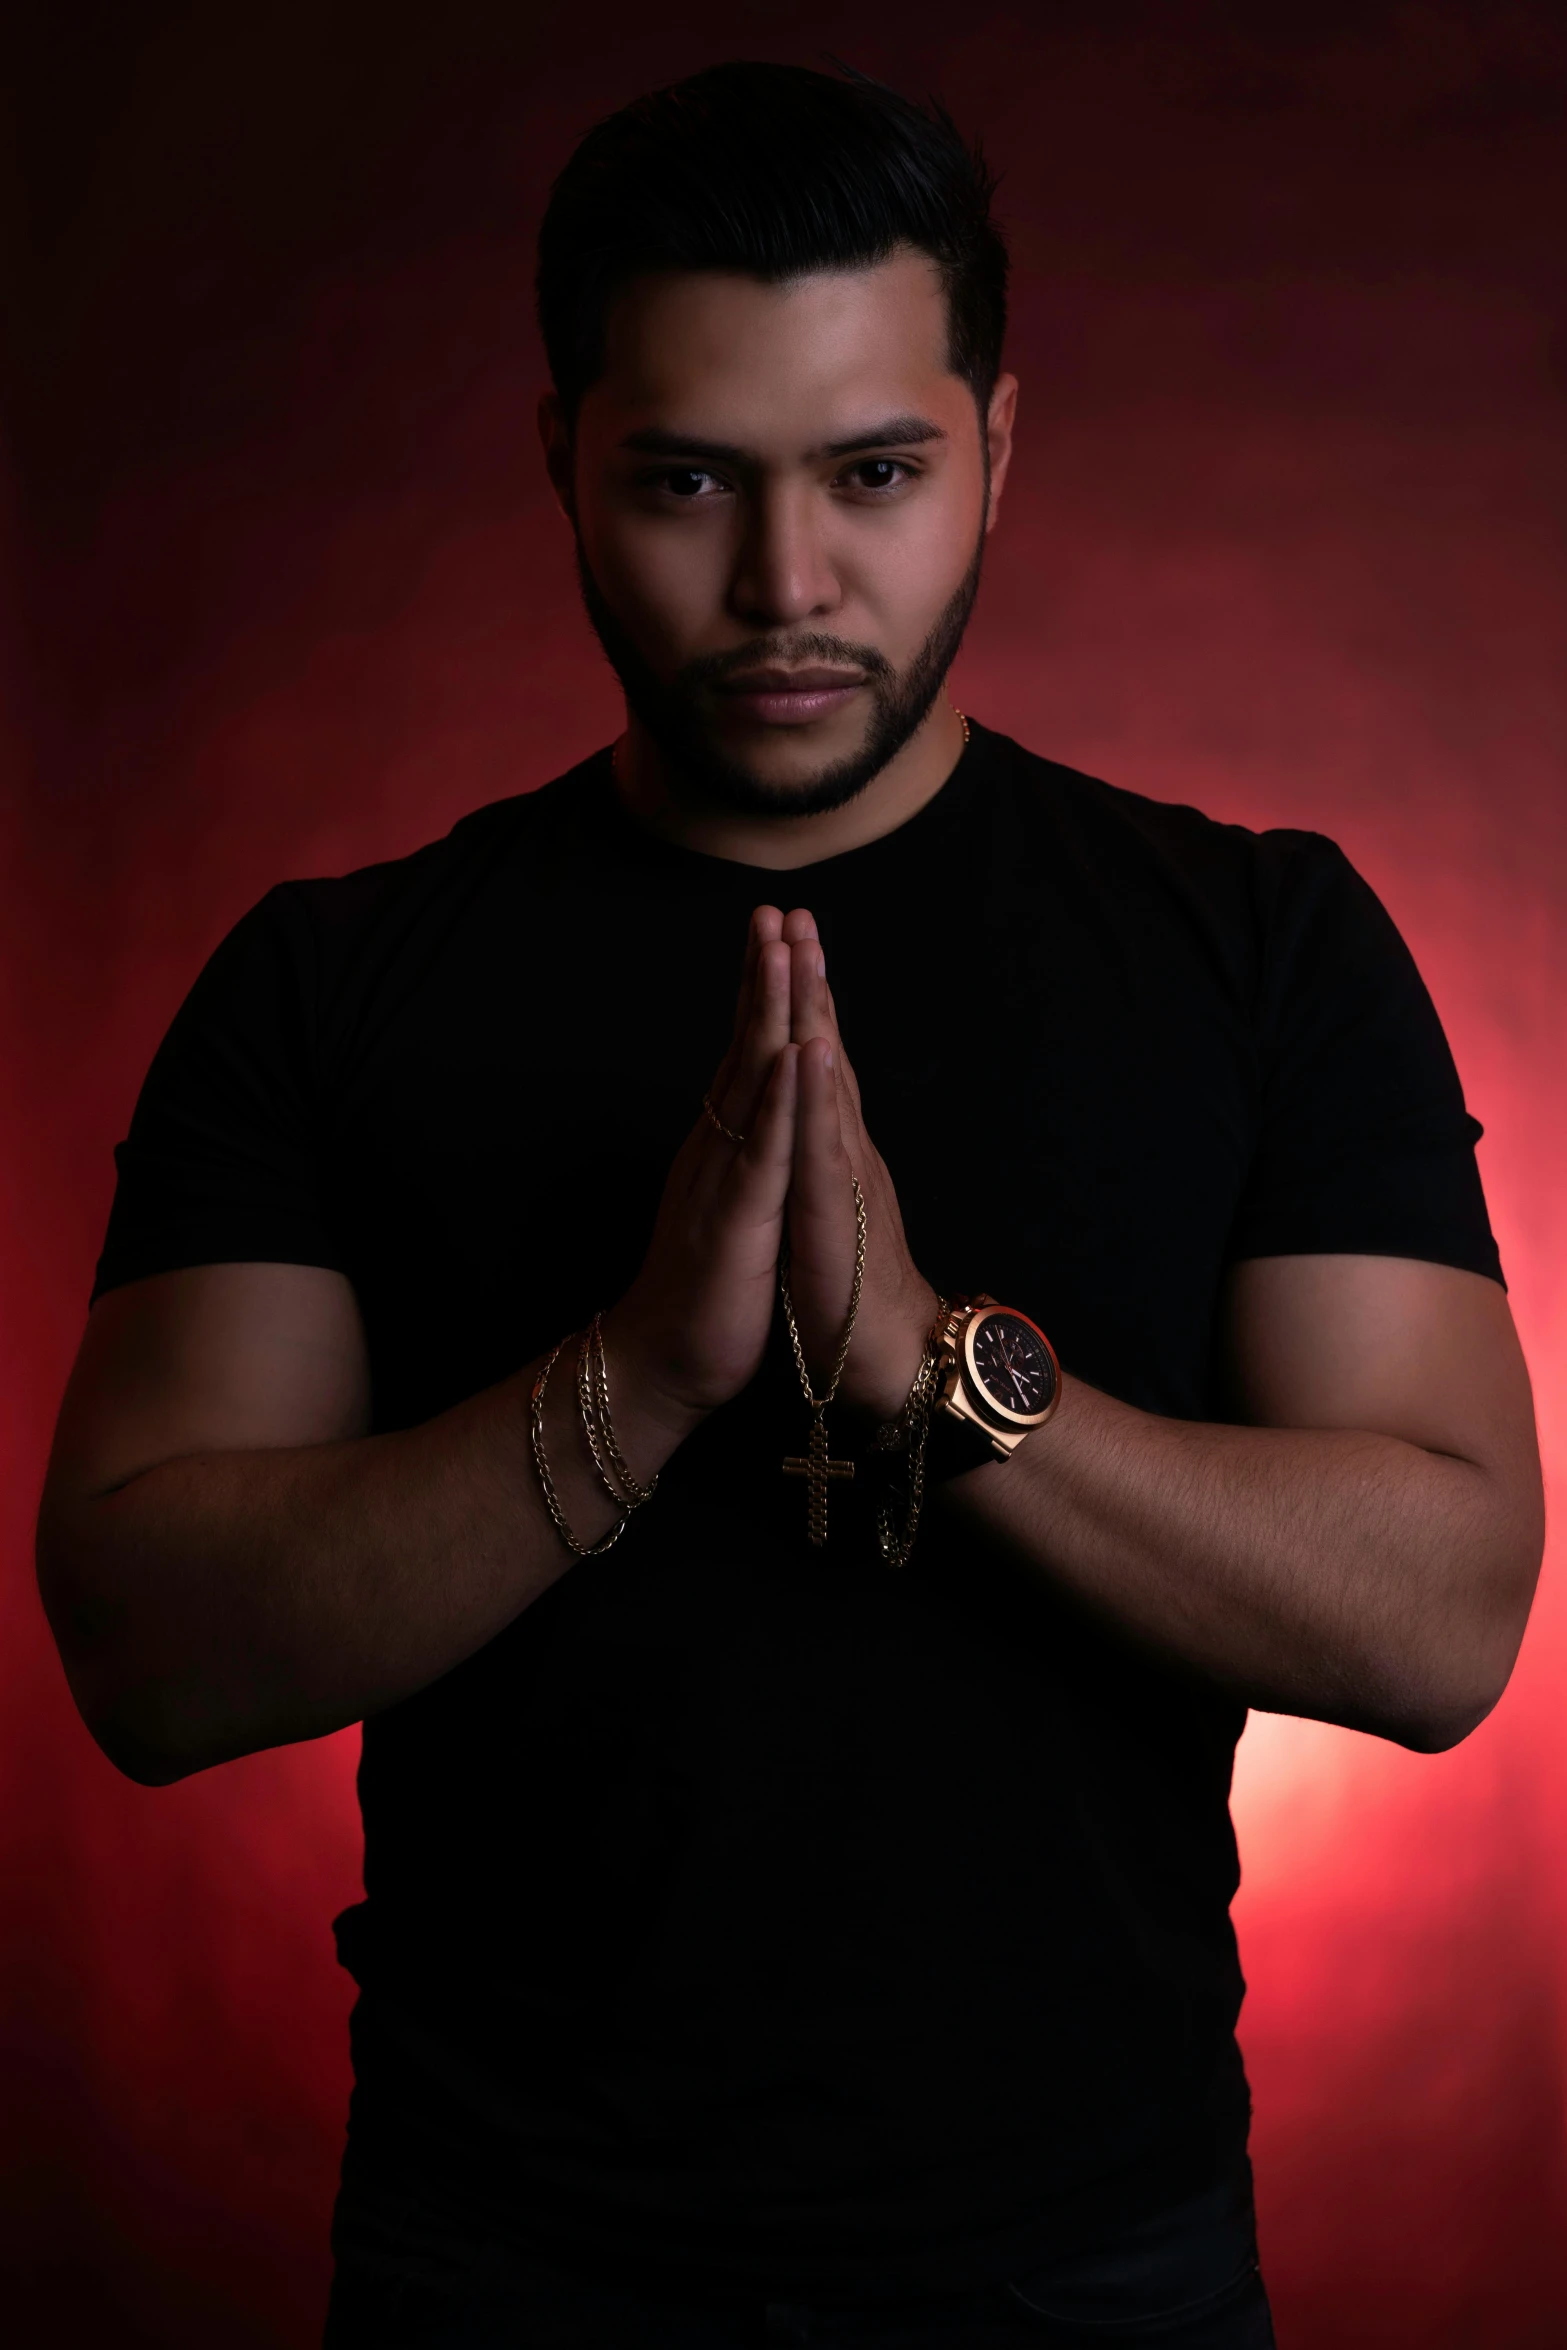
x=1012, y=1365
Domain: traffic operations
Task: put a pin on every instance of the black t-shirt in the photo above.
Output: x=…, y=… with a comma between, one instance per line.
x=744, y=1907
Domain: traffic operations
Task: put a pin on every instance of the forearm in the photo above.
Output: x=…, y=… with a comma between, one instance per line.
x=1341, y=1575
x=215, y=1605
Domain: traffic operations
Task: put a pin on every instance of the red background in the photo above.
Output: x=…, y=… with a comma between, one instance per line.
x=282, y=591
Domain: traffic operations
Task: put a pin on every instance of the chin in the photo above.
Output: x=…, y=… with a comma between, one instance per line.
x=796, y=763
x=796, y=784
x=762, y=774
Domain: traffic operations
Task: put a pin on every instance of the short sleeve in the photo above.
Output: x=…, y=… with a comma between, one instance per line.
x=222, y=1161
x=1364, y=1144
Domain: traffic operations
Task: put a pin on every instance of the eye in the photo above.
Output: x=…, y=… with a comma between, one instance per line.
x=879, y=474
x=685, y=481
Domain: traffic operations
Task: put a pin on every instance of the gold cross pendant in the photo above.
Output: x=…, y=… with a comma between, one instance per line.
x=816, y=1468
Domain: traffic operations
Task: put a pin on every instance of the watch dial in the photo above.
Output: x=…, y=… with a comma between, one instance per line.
x=1014, y=1367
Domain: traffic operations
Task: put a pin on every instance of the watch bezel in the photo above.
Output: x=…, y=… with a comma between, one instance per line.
x=974, y=1380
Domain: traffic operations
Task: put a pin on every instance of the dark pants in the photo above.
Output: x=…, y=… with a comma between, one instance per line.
x=1187, y=2280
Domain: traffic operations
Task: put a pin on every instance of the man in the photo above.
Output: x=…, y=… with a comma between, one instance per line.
x=797, y=1904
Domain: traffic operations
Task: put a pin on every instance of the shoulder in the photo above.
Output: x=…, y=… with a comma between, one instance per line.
x=1121, y=830
x=1128, y=840
x=1279, y=918
x=337, y=930
x=527, y=827
x=298, y=973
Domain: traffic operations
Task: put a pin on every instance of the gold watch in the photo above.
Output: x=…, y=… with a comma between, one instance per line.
x=997, y=1377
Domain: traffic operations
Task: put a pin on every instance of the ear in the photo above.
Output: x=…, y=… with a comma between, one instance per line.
x=555, y=437
x=998, y=439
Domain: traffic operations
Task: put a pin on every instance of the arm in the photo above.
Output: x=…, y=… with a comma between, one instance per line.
x=229, y=1559
x=1363, y=1551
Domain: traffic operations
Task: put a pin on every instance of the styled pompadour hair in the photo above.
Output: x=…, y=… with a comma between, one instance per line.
x=771, y=171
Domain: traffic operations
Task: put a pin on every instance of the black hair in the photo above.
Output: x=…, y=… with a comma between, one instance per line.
x=771, y=171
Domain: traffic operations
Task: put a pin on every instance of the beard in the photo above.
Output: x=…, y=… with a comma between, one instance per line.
x=670, y=709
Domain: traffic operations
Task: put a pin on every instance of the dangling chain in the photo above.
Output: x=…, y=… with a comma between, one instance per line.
x=909, y=1433
x=816, y=1464
x=820, y=1402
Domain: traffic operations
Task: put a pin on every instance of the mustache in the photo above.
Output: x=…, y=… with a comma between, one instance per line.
x=793, y=652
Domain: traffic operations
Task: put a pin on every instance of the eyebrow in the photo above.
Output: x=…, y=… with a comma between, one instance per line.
x=894, y=432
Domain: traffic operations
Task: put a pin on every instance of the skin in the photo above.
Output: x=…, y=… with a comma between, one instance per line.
x=780, y=538
x=231, y=1560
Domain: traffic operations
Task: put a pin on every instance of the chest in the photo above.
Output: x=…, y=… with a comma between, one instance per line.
x=1065, y=1103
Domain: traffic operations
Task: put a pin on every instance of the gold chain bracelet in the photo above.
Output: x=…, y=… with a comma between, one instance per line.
x=609, y=1464
x=593, y=1400
x=582, y=1550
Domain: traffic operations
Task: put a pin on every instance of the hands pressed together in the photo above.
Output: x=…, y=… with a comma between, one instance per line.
x=695, y=1322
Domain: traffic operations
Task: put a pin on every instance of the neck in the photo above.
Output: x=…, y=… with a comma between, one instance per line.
x=655, y=796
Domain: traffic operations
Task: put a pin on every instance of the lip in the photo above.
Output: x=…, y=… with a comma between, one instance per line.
x=790, y=697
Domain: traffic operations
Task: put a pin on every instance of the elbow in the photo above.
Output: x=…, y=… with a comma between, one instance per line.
x=1475, y=1630
x=1466, y=1683
x=1451, y=1705
x=1454, y=1707
x=128, y=1717
x=129, y=1727
x=156, y=1726
x=1438, y=1729
x=125, y=1707
x=136, y=1759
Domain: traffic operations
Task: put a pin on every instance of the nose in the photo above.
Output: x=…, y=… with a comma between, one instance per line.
x=782, y=572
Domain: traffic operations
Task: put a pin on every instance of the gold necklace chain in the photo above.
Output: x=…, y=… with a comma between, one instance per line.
x=820, y=1402
x=816, y=1464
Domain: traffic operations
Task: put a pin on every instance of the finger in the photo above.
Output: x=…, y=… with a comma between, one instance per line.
x=766, y=925
x=763, y=929
x=766, y=1034
x=821, y=1208
x=821, y=1163
x=847, y=1079
x=799, y=923
x=756, y=1181
x=813, y=1012
x=810, y=1006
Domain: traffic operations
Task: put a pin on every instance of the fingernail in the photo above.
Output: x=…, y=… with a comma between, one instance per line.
x=828, y=1062
x=821, y=966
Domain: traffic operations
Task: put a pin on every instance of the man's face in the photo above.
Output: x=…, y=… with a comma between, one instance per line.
x=780, y=496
